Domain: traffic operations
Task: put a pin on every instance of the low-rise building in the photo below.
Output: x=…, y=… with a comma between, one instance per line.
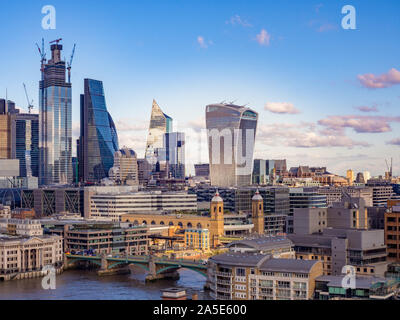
x=238, y=276
x=197, y=239
x=373, y=288
x=277, y=247
x=21, y=255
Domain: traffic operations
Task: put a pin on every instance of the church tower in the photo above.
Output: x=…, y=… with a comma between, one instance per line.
x=217, y=219
x=257, y=205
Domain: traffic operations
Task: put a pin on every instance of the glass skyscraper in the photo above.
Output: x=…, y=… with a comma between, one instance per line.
x=160, y=124
x=231, y=137
x=25, y=143
x=98, y=139
x=174, y=144
x=55, y=122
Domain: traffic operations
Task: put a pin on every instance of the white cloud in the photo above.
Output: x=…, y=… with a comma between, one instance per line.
x=281, y=107
x=263, y=38
x=203, y=43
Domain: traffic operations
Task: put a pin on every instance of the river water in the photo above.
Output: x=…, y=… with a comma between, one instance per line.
x=87, y=285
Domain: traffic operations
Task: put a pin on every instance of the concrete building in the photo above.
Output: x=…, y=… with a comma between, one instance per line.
x=335, y=194
x=382, y=191
x=125, y=239
x=238, y=276
x=231, y=138
x=125, y=169
x=364, y=249
x=303, y=198
x=114, y=202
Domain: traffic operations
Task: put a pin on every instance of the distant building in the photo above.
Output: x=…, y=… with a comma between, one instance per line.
x=113, y=202
x=125, y=169
x=231, y=138
x=5, y=136
x=160, y=124
x=303, y=198
x=98, y=139
x=392, y=233
x=277, y=247
x=144, y=171
x=350, y=176
x=202, y=170
x=263, y=171
x=174, y=144
x=25, y=143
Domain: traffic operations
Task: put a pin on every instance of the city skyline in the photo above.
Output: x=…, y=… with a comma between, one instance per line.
x=286, y=69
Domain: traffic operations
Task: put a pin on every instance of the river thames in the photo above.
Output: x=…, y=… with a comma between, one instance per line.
x=87, y=285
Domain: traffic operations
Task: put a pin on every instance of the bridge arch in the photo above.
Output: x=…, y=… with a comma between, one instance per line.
x=180, y=224
x=199, y=226
x=166, y=268
x=189, y=225
x=162, y=223
x=171, y=223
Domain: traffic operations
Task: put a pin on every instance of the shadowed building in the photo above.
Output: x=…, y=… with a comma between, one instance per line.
x=231, y=137
x=99, y=139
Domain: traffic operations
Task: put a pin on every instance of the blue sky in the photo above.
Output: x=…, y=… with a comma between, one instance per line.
x=286, y=55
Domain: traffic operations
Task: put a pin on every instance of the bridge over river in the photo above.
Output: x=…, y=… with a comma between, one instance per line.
x=156, y=268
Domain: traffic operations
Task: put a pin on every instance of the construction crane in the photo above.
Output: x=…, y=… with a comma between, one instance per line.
x=42, y=57
x=55, y=41
x=70, y=64
x=30, y=104
x=390, y=168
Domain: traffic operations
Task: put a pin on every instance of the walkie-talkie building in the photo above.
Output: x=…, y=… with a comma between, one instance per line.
x=231, y=136
x=55, y=122
x=98, y=139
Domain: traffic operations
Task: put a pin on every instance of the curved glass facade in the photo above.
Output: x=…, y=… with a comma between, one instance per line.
x=231, y=137
x=99, y=139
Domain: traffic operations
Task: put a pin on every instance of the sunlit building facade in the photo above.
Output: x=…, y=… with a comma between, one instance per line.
x=231, y=137
x=99, y=139
x=25, y=143
x=55, y=122
x=160, y=124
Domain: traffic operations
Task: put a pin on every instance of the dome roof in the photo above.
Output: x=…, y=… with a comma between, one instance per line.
x=217, y=198
x=257, y=197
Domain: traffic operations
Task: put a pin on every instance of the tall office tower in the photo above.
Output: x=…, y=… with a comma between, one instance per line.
x=367, y=176
x=360, y=178
x=99, y=139
x=125, y=169
x=25, y=143
x=202, y=170
x=160, y=124
x=350, y=176
x=55, y=122
x=8, y=107
x=174, y=144
x=5, y=136
x=231, y=137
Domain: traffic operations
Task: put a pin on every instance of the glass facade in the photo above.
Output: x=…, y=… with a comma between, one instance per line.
x=99, y=139
x=231, y=137
x=55, y=122
x=25, y=143
x=160, y=124
x=174, y=144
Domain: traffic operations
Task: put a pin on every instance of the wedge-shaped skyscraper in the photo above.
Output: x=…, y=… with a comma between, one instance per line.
x=231, y=136
x=160, y=124
x=99, y=140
